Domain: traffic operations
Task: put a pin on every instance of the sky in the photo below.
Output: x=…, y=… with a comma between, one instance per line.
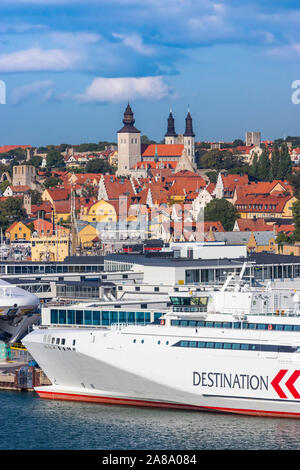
x=69, y=67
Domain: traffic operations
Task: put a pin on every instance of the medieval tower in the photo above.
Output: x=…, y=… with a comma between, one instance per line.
x=129, y=144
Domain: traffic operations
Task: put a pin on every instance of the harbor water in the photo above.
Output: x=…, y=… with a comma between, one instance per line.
x=31, y=423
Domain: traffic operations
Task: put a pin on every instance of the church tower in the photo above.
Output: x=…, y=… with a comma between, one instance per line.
x=129, y=144
x=189, y=138
x=170, y=135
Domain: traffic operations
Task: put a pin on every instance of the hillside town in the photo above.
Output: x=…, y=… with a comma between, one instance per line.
x=64, y=200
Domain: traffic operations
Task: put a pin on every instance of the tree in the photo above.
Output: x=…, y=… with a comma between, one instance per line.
x=98, y=165
x=52, y=182
x=11, y=209
x=219, y=160
x=223, y=210
x=296, y=217
x=36, y=197
x=264, y=165
x=275, y=163
x=36, y=160
x=285, y=164
x=55, y=159
x=237, y=143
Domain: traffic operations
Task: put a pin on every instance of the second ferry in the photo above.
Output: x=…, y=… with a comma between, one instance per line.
x=235, y=349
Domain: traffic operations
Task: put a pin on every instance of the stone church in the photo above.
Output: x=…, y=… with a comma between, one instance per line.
x=133, y=156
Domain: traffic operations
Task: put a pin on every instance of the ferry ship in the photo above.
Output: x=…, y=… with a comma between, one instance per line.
x=18, y=311
x=234, y=349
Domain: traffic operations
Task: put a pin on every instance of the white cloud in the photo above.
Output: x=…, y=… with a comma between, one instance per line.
x=288, y=52
x=135, y=42
x=74, y=39
x=125, y=88
x=36, y=59
x=22, y=92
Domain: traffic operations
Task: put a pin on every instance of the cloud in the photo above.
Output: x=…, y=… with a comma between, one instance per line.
x=125, y=88
x=286, y=52
x=22, y=92
x=36, y=59
x=135, y=42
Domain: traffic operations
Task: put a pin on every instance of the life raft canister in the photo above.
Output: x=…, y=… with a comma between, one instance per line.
x=162, y=322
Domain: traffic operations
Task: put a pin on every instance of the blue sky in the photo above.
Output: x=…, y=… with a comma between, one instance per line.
x=70, y=66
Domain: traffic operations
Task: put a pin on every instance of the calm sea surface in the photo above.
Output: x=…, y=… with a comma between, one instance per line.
x=28, y=422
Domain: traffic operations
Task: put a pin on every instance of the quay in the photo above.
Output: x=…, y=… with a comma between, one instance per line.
x=20, y=372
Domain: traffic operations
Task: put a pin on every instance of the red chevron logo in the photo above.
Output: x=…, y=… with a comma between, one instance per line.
x=275, y=383
x=289, y=383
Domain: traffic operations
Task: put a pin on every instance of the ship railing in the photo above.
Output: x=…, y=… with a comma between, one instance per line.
x=189, y=308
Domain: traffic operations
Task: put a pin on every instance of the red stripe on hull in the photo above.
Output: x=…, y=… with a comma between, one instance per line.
x=143, y=403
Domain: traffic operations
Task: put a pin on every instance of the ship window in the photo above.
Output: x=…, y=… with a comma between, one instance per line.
x=209, y=345
x=96, y=318
x=226, y=324
x=53, y=340
x=130, y=317
x=193, y=344
x=210, y=324
x=201, y=344
x=184, y=323
x=217, y=324
x=57, y=340
x=122, y=317
x=237, y=324
x=192, y=323
x=200, y=323
x=74, y=342
x=288, y=327
x=167, y=342
x=140, y=318
x=227, y=345
x=87, y=317
x=142, y=341
x=134, y=340
x=236, y=346
x=252, y=326
x=218, y=345
x=79, y=317
x=62, y=317
x=70, y=317
x=174, y=322
x=105, y=318
x=158, y=342
x=184, y=344
x=54, y=316
x=63, y=341
x=113, y=317
x=244, y=346
x=261, y=326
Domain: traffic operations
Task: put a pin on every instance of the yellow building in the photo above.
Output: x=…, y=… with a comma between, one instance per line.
x=17, y=231
x=101, y=211
x=265, y=207
x=261, y=242
x=86, y=235
x=51, y=248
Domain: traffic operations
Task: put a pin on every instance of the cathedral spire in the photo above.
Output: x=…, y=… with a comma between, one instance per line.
x=128, y=121
x=171, y=126
x=189, y=126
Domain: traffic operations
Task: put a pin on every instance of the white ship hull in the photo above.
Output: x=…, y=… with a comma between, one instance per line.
x=107, y=366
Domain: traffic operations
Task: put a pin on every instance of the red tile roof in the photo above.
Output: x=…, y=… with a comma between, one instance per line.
x=7, y=148
x=163, y=150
